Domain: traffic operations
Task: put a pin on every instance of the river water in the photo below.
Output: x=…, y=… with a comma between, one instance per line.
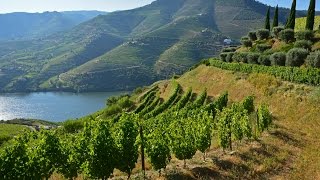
x=52, y=106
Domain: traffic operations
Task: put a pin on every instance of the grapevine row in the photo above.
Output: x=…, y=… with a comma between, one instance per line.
x=294, y=74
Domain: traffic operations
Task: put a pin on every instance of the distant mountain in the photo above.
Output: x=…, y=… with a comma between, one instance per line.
x=126, y=49
x=34, y=25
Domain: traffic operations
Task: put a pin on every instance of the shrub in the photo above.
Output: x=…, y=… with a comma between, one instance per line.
x=264, y=60
x=223, y=56
x=240, y=57
x=296, y=57
x=277, y=30
x=287, y=35
x=229, y=49
x=313, y=59
x=252, y=35
x=278, y=59
x=263, y=47
x=303, y=44
x=73, y=126
x=246, y=42
x=229, y=57
x=112, y=110
x=304, y=35
x=263, y=34
x=125, y=102
x=253, y=58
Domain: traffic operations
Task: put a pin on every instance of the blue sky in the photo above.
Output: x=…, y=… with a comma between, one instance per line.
x=102, y=5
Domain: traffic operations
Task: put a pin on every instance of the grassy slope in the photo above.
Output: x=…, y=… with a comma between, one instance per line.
x=180, y=21
x=8, y=131
x=288, y=151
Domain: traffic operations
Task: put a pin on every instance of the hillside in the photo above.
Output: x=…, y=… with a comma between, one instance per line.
x=148, y=43
x=15, y=26
x=288, y=149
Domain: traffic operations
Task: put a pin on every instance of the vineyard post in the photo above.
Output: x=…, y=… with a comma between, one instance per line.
x=142, y=153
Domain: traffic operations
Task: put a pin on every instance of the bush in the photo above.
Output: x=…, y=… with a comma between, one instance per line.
x=229, y=49
x=263, y=34
x=263, y=47
x=304, y=35
x=277, y=30
x=303, y=44
x=252, y=35
x=246, y=42
x=278, y=59
x=112, y=110
x=296, y=57
x=229, y=57
x=253, y=58
x=313, y=59
x=125, y=102
x=264, y=60
x=73, y=126
x=223, y=56
x=287, y=35
x=240, y=57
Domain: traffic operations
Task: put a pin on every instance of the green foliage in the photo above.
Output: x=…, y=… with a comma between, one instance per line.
x=252, y=35
x=253, y=58
x=229, y=49
x=248, y=105
x=222, y=101
x=246, y=42
x=293, y=74
x=102, y=152
x=267, y=22
x=287, y=35
x=165, y=105
x=304, y=35
x=148, y=99
x=240, y=57
x=112, y=110
x=303, y=44
x=229, y=57
x=200, y=99
x=296, y=57
x=313, y=60
x=14, y=160
x=263, y=47
x=73, y=126
x=276, y=31
x=264, y=118
x=223, y=56
x=276, y=18
x=311, y=14
x=291, y=22
x=278, y=59
x=263, y=34
x=264, y=60
x=224, y=128
x=125, y=135
x=184, y=100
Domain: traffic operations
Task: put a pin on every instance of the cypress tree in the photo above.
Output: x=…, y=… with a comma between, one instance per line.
x=276, y=18
x=267, y=24
x=311, y=14
x=291, y=22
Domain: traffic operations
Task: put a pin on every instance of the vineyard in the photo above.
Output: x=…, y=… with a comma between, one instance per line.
x=293, y=74
x=157, y=130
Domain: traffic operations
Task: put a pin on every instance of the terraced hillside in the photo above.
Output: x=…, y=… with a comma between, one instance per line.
x=114, y=51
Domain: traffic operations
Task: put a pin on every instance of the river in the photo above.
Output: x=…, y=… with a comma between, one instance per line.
x=52, y=106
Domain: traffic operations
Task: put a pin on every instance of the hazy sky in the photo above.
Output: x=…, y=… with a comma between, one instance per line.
x=102, y=5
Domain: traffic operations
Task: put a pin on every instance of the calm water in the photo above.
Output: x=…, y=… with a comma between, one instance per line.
x=52, y=106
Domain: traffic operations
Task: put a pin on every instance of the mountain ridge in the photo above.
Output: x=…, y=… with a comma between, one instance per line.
x=159, y=40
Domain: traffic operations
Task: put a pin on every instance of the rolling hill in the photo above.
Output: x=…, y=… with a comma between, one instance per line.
x=35, y=25
x=126, y=49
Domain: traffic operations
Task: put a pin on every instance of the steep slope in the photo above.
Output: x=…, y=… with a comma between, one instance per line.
x=148, y=43
x=35, y=25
